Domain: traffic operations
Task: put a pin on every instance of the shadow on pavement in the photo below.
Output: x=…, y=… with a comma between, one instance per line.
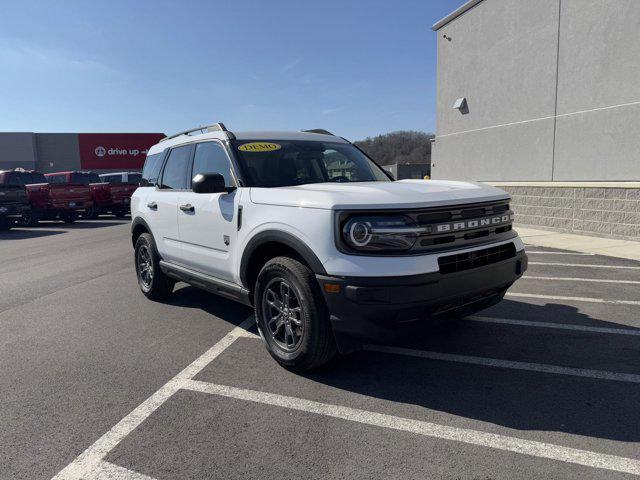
x=549, y=312
x=227, y=310
x=516, y=399
x=21, y=234
x=521, y=400
x=87, y=224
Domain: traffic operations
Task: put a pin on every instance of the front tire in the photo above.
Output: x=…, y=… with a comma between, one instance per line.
x=29, y=219
x=153, y=283
x=292, y=315
x=119, y=212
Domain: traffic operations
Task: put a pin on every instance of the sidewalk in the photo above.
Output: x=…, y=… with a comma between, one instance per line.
x=580, y=243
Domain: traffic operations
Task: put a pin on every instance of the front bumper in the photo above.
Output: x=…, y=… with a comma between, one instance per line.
x=386, y=308
x=14, y=210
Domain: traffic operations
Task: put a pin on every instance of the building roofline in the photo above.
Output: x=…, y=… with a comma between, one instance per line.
x=455, y=14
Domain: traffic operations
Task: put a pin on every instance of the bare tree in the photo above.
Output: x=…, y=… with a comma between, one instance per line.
x=404, y=146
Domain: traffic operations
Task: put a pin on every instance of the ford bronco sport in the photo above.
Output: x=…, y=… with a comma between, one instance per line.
x=329, y=250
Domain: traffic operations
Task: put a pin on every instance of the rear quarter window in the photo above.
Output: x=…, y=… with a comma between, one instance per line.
x=151, y=169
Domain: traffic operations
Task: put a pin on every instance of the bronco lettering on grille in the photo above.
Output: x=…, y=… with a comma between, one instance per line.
x=475, y=223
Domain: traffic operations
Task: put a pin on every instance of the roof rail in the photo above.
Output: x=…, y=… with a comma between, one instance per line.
x=321, y=131
x=214, y=127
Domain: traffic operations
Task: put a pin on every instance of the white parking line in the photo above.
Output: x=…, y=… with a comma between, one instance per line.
x=572, y=299
x=90, y=460
x=433, y=430
x=90, y=465
x=559, y=326
x=574, y=279
x=510, y=364
x=556, y=264
x=559, y=253
x=109, y=471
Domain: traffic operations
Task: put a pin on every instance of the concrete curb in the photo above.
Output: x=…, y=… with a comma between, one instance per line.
x=580, y=243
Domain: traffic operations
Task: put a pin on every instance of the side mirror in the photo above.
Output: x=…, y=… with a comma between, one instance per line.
x=208, y=183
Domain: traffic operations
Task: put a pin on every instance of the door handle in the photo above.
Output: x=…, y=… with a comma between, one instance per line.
x=152, y=205
x=188, y=208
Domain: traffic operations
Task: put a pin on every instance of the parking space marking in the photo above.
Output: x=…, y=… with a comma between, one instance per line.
x=248, y=334
x=577, y=279
x=510, y=364
x=573, y=299
x=90, y=460
x=559, y=326
x=109, y=471
x=556, y=264
x=559, y=253
x=456, y=434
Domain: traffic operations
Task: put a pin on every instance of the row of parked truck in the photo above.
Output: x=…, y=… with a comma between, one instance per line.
x=27, y=196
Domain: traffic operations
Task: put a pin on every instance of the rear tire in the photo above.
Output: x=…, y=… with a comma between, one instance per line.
x=152, y=281
x=5, y=224
x=292, y=316
x=69, y=217
x=91, y=213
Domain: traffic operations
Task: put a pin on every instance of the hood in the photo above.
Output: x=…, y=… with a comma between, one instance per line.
x=377, y=195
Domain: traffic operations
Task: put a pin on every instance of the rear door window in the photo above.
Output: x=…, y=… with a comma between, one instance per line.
x=176, y=168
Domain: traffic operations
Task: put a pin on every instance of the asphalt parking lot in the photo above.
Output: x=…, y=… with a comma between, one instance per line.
x=99, y=382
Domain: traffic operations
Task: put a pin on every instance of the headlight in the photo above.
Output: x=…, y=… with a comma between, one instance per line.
x=380, y=233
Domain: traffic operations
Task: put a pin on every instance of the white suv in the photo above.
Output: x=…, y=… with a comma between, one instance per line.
x=329, y=250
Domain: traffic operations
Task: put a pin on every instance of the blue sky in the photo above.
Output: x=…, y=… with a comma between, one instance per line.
x=358, y=68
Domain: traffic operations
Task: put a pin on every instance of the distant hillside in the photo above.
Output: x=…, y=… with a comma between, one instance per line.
x=405, y=146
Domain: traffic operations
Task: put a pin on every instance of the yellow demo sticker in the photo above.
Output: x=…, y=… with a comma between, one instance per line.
x=259, y=147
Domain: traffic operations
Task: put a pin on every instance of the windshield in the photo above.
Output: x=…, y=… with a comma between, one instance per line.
x=84, y=178
x=282, y=163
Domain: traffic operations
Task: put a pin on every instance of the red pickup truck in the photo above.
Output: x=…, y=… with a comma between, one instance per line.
x=49, y=201
x=105, y=197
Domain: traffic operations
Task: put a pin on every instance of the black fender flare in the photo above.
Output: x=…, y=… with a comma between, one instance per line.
x=285, y=238
x=138, y=221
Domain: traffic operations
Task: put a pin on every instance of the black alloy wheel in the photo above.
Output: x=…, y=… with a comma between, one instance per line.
x=153, y=282
x=144, y=267
x=292, y=316
x=283, y=314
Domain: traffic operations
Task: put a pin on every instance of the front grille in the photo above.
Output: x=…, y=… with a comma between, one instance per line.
x=477, y=258
x=479, y=232
x=448, y=227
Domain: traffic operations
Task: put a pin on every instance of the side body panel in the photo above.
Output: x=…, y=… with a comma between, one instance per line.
x=162, y=220
x=208, y=234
